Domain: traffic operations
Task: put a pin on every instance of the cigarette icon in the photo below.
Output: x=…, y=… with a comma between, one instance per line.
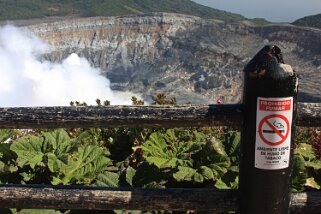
x=277, y=125
x=272, y=131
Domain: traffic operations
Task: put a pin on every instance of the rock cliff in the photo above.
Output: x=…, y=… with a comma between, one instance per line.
x=194, y=59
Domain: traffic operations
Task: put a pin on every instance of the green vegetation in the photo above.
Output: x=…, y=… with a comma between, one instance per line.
x=309, y=21
x=205, y=157
x=260, y=21
x=25, y=9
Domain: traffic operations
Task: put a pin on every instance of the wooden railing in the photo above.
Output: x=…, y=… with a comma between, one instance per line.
x=99, y=198
x=309, y=114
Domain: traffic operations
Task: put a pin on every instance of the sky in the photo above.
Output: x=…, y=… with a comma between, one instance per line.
x=272, y=10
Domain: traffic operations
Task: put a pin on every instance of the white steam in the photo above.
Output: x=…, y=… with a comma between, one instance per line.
x=27, y=81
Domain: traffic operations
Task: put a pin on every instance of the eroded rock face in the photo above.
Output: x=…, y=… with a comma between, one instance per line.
x=194, y=59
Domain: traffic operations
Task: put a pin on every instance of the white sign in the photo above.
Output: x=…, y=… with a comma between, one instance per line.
x=273, y=136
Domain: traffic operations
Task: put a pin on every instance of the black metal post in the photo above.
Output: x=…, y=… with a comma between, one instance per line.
x=270, y=103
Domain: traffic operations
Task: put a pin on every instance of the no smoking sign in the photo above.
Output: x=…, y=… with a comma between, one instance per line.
x=273, y=136
x=274, y=129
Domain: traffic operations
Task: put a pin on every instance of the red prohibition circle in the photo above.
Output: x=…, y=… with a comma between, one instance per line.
x=283, y=137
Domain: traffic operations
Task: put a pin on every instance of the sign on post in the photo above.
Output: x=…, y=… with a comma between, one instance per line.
x=266, y=160
x=273, y=136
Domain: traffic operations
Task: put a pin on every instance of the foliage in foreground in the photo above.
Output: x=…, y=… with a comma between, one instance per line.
x=159, y=158
x=119, y=157
x=138, y=157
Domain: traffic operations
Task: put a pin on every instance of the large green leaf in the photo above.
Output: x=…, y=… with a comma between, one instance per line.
x=233, y=142
x=207, y=173
x=107, y=179
x=83, y=166
x=315, y=164
x=4, y=168
x=6, y=134
x=306, y=151
x=56, y=137
x=185, y=174
x=168, y=150
x=299, y=174
x=157, y=161
x=171, y=137
x=29, y=151
x=60, y=142
x=310, y=182
x=54, y=163
x=227, y=182
x=130, y=174
x=56, y=181
x=218, y=169
x=6, y=154
x=232, y=146
x=217, y=147
x=155, y=146
x=8, y=165
x=213, y=153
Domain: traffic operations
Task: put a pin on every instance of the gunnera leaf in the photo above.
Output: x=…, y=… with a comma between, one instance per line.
x=130, y=174
x=229, y=181
x=107, y=179
x=162, y=163
x=28, y=150
x=54, y=163
x=167, y=150
x=306, y=151
x=310, y=182
x=56, y=137
x=7, y=134
x=4, y=168
x=207, y=173
x=60, y=142
x=213, y=154
x=315, y=164
x=299, y=174
x=155, y=146
x=188, y=174
x=6, y=154
x=84, y=165
x=232, y=145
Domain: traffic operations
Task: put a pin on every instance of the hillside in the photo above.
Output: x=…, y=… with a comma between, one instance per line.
x=26, y=9
x=309, y=21
x=193, y=59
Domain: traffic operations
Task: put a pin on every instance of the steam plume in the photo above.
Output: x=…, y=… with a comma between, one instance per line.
x=27, y=81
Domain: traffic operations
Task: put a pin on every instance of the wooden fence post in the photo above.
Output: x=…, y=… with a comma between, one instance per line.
x=270, y=104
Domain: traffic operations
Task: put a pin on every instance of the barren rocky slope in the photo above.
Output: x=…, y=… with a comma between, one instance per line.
x=194, y=59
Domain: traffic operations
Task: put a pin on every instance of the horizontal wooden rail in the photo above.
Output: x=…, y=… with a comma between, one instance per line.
x=309, y=114
x=98, y=198
x=120, y=116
